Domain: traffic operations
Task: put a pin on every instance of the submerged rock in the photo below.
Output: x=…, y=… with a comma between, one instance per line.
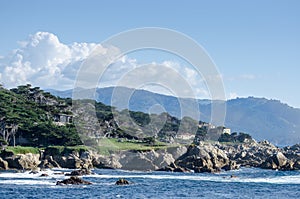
x=233, y=176
x=122, y=181
x=59, y=173
x=34, y=171
x=73, y=181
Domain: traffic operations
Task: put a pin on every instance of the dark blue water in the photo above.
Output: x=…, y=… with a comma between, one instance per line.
x=249, y=183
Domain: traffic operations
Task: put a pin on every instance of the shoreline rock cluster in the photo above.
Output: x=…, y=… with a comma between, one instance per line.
x=205, y=157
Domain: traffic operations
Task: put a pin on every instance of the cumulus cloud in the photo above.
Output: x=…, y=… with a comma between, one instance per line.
x=44, y=61
x=167, y=77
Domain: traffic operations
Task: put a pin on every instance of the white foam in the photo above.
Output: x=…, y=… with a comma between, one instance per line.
x=27, y=178
x=27, y=182
x=273, y=180
x=26, y=174
x=217, y=178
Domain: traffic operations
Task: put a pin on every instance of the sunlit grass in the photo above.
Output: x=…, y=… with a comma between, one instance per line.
x=107, y=146
x=22, y=149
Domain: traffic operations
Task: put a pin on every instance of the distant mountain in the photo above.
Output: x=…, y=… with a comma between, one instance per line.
x=262, y=118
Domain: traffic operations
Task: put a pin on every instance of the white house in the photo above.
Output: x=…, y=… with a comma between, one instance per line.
x=226, y=131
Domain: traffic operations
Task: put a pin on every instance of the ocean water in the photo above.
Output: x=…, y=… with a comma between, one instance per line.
x=248, y=183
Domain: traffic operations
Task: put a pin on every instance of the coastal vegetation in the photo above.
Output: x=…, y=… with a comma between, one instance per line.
x=28, y=116
x=40, y=130
x=32, y=117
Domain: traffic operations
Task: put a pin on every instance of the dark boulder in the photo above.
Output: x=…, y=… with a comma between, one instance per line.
x=232, y=165
x=80, y=172
x=297, y=165
x=4, y=154
x=233, y=176
x=59, y=173
x=174, y=168
x=49, y=163
x=276, y=161
x=122, y=181
x=34, y=172
x=73, y=181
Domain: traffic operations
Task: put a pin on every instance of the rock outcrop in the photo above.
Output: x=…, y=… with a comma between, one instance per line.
x=27, y=161
x=49, y=163
x=3, y=164
x=140, y=160
x=73, y=181
x=207, y=157
x=57, y=157
x=174, y=168
x=122, y=181
x=52, y=157
x=276, y=161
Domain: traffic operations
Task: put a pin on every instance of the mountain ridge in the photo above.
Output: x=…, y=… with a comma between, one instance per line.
x=264, y=118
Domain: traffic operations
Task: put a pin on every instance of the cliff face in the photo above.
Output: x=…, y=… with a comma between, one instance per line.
x=27, y=161
x=205, y=157
x=74, y=159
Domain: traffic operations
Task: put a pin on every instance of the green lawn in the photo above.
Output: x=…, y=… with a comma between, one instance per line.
x=35, y=150
x=23, y=149
x=107, y=146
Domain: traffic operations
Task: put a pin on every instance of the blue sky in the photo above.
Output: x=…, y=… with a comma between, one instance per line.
x=255, y=44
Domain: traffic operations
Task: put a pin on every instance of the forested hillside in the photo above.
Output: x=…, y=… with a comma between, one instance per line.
x=30, y=116
x=263, y=118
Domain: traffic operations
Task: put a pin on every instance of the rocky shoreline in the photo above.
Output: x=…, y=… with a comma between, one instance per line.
x=216, y=157
x=205, y=157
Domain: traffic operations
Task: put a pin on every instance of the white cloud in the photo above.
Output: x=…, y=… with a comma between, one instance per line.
x=166, y=78
x=44, y=61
